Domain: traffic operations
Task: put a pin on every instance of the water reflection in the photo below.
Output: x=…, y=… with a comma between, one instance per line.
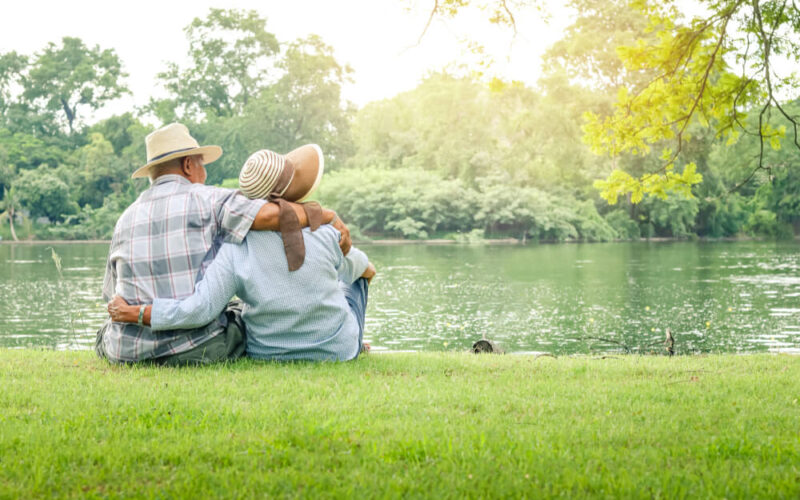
x=715, y=297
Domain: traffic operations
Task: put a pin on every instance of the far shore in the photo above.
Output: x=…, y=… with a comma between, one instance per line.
x=498, y=241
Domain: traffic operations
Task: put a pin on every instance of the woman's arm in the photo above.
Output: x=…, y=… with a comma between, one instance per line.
x=210, y=296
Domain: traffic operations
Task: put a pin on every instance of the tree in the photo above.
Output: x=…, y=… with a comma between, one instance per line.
x=44, y=194
x=305, y=104
x=232, y=56
x=97, y=172
x=500, y=12
x=441, y=125
x=11, y=68
x=9, y=205
x=709, y=69
x=65, y=79
x=587, y=53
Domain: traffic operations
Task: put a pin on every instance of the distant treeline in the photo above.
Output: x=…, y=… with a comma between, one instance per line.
x=457, y=157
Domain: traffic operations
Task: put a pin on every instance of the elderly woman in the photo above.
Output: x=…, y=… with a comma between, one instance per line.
x=314, y=312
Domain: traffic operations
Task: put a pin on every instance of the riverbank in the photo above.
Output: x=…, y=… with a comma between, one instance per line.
x=434, y=425
x=440, y=241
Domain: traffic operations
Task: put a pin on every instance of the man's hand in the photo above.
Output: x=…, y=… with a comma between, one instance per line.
x=369, y=273
x=344, y=242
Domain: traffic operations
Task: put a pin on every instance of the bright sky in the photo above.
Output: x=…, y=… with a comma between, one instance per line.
x=377, y=38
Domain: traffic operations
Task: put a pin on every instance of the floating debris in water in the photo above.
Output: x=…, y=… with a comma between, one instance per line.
x=669, y=343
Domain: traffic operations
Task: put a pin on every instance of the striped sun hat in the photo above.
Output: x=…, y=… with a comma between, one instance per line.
x=294, y=176
x=261, y=172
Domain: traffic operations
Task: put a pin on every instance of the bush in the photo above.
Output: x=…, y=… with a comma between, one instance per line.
x=626, y=228
x=44, y=195
x=765, y=223
x=590, y=225
x=408, y=203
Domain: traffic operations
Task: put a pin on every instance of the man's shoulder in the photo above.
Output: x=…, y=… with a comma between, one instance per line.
x=211, y=192
x=128, y=212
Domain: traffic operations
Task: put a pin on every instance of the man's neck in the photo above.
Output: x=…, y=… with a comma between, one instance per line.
x=168, y=177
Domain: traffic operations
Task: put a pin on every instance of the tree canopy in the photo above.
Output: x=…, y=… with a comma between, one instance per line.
x=460, y=156
x=232, y=58
x=711, y=69
x=63, y=79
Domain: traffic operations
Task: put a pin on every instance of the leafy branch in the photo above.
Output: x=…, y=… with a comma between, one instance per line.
x=693, y=84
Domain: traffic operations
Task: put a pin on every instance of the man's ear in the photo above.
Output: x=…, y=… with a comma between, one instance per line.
x=186, y=166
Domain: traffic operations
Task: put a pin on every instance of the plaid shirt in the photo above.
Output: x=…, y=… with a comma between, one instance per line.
x=162, y=245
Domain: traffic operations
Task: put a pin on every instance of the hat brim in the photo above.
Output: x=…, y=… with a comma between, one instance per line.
x=320, y=170
x=210, y=154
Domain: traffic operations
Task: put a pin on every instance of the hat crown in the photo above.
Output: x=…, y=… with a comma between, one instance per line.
x=260, y=173
x=169, y=139
x=293, y=176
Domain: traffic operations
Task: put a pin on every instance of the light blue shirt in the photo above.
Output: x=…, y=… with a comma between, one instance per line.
x=289, y=315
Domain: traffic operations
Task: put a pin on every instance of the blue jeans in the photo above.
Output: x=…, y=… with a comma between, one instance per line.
x=356, y=296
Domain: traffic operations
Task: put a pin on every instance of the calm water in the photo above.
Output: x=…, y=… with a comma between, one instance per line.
x=716, y=297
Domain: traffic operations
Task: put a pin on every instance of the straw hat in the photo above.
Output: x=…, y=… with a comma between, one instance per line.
x=293, y=176
x=173, y=141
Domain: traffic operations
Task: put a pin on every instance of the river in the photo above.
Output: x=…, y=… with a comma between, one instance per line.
x=558, y=299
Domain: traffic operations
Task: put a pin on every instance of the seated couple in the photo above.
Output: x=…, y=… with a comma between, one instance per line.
x=182, y=250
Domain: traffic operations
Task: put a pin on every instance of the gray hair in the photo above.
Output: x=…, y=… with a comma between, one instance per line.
x=168, y=167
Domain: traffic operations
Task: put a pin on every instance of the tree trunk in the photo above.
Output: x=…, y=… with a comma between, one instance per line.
x=70, y=114
x=11, y=224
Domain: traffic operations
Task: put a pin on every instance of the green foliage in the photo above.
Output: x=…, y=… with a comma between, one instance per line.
x=12, y=66
x=97, y=171
x=694, y=81
x=231, y=61
x=242, y=94
x=765, y=223
x=73, y=75
x=305, y=105
x=43, y=194
x=25, y=151
x=724, y=216
x=625, y=227
x=9, y=206
x=673, y=216
x=125, y=133
x=412, y=203
x=434, y=127
x=461, y=156
x=405, y=202
x=590, y=225
x=588, y=52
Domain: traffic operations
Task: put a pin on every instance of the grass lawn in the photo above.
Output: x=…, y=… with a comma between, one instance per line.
x=432, y=425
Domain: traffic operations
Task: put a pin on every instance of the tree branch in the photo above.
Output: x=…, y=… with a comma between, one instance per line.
x=510, y=16
x=430, y=19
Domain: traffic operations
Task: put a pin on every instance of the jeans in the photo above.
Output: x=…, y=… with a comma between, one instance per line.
x=356, y=296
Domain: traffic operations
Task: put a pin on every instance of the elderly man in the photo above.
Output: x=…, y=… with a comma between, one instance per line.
x=164, y=242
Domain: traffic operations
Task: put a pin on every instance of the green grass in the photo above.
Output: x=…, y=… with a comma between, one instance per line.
x=433, y=425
